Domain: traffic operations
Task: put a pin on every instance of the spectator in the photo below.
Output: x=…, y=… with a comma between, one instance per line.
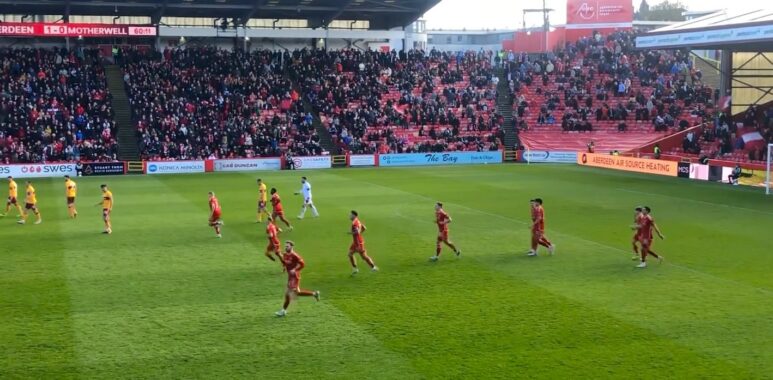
x=55, y=107
x=735, y=175
x=204, y=102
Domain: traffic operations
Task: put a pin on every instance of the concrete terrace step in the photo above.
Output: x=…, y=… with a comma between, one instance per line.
x=128, y=148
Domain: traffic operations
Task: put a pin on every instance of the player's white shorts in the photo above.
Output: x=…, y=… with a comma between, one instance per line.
x=307, y=201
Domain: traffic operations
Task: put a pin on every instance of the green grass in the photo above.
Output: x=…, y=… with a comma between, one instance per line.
x=161, y=297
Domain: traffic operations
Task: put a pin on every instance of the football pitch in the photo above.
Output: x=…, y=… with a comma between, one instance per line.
x=163, y=298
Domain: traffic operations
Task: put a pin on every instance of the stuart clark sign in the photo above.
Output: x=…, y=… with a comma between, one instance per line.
x=40, y=29
x=581, y=14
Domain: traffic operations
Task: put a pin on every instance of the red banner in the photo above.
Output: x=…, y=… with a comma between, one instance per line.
x=599, y=12
x=39, y=29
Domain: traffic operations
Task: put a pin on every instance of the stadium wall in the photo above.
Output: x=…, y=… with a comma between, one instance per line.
x=457, y=47
x=669, y=142
x=714, y=171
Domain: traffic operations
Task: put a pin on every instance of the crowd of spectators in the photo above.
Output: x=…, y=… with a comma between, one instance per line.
x=54, y=106
x=204, y=102
x=373, y=101
x=603, y=78
x=725, y=136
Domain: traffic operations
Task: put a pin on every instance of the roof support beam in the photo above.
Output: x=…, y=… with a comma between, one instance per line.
x=244, y=7
x=252, y=12
x=158, y=14
x=326, y=19
x=66, y=15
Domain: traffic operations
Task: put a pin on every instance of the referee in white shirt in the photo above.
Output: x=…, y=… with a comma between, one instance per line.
x=307, y=201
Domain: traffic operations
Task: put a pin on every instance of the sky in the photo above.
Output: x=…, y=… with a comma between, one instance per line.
x=507, y=14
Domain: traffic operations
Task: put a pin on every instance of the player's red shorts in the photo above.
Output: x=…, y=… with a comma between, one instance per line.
x=29, y=206
x=215, y=217
x=442, y=235
x=277, y=213
x=11, y=200
x=293, y=281
x=273, y=246
x=357, y=247
x=646, y=241
x=70, y=200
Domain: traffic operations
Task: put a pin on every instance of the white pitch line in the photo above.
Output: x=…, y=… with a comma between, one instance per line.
x=696, y=201
x=611, y=248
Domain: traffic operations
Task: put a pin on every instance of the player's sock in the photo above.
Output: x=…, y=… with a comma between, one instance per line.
x=437, y=250
x=270, y=257
x=314, y=212
x=635, y=249
x=368, y=260
x=353, y=260
x=545, y=242
x=303, y=212
x=287, y=303
x=305, y=293
x=643, y=255
x=653, y=254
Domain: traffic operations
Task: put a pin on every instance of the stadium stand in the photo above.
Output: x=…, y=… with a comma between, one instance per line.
x=407, y=102
x=205, y=102
x=55, y=106
x=602, y=90
x=209, y=103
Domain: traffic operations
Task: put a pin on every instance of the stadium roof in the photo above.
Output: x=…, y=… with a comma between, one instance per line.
x=382, y=14
x=750, y=30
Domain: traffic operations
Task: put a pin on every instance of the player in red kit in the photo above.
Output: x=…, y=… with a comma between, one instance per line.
x=272, y=233
x=636, y=218
x=277, y=210
x=646, y=225
x=358, y=244
x=293, y=264
x=538, y=228
x=442, y=220
x=215, y=214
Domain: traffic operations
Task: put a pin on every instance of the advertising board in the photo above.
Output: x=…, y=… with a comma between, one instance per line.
x=599, y=12
x=538, y=156
x=37, y=170
x=362, y=160
x=313, y=162
x=247, y=164
x=174, y=167
x=103, y=168
x=446, y=158
x=631, y=164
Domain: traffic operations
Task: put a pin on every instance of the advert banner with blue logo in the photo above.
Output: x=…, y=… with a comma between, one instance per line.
x=540, y=156
x=449, y=158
